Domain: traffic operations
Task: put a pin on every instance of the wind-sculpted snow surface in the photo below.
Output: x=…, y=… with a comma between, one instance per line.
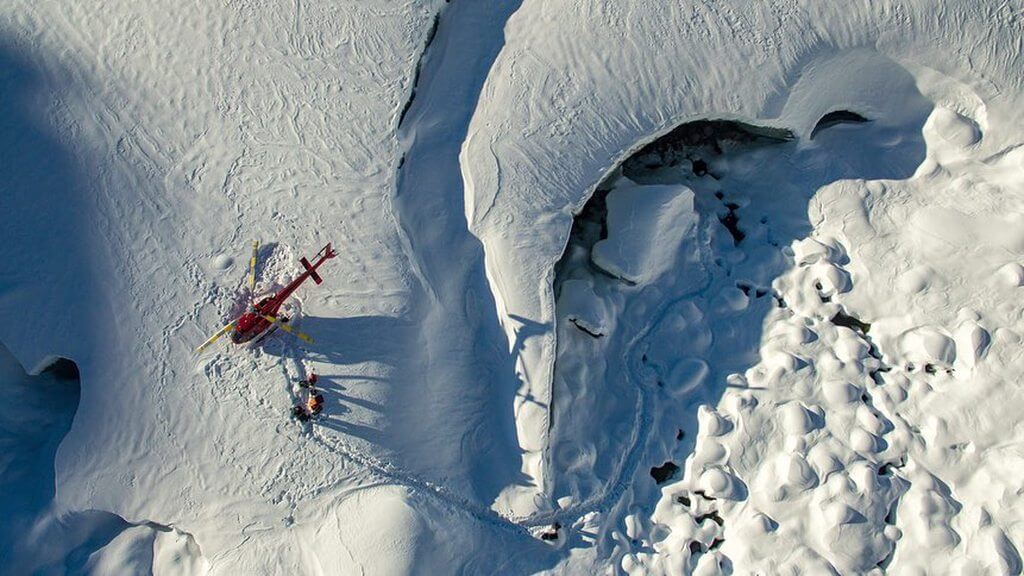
x=748, y=408
x=145, y=145
x=784, y=338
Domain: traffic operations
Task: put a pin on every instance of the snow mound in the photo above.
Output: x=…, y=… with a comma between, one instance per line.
x=654, y=288
x=646, y=227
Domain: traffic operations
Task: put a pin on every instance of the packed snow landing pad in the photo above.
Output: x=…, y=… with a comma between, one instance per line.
x=157, y=141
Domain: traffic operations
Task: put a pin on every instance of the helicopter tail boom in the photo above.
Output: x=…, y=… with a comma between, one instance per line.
x=312, y=271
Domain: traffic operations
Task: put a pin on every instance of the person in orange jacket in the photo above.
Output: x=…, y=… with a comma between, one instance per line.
x=314, y=401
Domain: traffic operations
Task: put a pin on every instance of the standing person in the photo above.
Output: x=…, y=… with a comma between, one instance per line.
x=314, y=400
x=315, y=403
x=299, y=413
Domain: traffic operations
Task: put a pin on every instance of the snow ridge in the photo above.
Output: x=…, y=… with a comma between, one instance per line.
x=439, y=492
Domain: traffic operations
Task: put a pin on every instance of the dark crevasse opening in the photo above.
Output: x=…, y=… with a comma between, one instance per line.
x=696, y=142
x=836, y=118
x=692, y=148
x=665, y=472
x=63, y=369
x=35, y=414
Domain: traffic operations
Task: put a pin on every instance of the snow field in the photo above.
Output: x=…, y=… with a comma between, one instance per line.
x=185, y=134
x=811, y=220
x=781, y=345
x=812, y=450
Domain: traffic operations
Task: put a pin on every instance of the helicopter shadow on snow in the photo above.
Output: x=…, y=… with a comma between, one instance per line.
x=356, y=339
x=345, y=348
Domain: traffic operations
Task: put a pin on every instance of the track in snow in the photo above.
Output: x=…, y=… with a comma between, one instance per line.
x=467, y=369
x=448, y=262
x=438, y=492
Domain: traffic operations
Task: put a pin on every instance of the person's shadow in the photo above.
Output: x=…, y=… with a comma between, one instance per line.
x=345, y=344
x=370, y=374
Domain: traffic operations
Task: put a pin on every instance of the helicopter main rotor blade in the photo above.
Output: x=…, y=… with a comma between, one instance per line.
x=214, y=338
x=252, y=266
x=288, y=329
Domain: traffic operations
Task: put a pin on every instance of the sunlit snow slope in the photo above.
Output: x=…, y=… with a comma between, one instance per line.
x=818, y=446
x=624, y=287
x=145, y=144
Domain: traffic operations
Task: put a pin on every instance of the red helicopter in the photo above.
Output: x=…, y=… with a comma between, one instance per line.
x=258, y=320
